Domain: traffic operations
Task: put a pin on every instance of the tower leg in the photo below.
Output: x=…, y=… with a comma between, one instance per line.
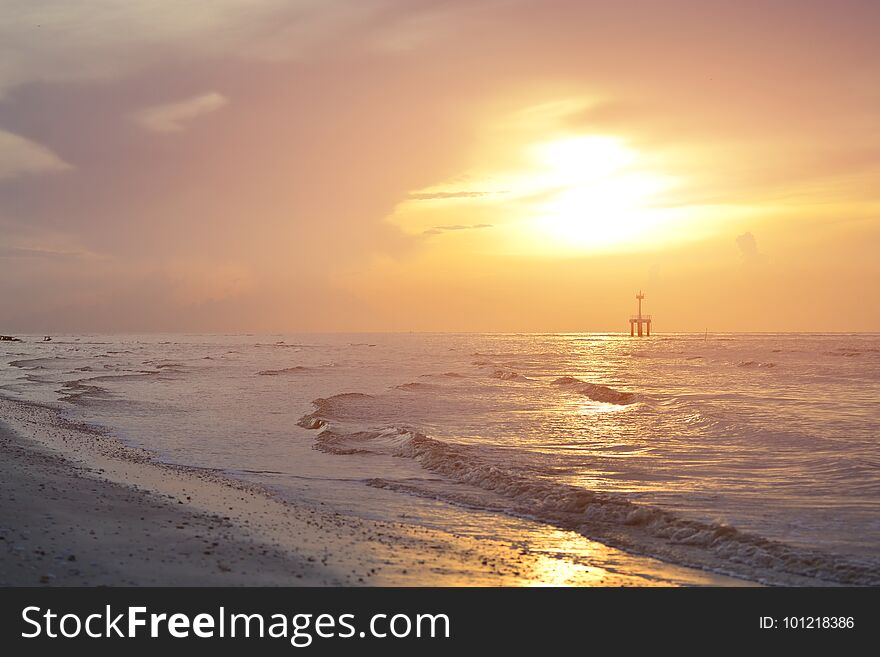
x=640, y=327
x=631, y=328
x=649, y=328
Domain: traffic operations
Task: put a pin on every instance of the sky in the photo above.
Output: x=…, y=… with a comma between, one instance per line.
x=438, y=165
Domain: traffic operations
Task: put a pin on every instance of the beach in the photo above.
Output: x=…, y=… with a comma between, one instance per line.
x=61, y=526
x=81, y=509
x=444, y=459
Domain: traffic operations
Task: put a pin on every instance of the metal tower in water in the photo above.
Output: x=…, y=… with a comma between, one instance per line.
x=637, y=322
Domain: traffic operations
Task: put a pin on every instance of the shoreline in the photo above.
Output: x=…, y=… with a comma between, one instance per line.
x=61, y=526
x=128, y=520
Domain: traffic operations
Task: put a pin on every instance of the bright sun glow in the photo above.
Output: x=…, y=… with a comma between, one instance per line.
x=598, y=193
x=535, y=188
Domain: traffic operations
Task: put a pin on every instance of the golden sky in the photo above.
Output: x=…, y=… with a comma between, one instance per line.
x=506, y=165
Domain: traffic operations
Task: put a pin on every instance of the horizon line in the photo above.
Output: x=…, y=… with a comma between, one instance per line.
x=437, y=332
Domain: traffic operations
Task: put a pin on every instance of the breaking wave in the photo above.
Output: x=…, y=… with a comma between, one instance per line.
x=311, y=422
x=595, y=391
x=80, y=392
x=609, y=517
x=337, y=406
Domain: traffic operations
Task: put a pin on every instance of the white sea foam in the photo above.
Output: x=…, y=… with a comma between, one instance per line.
x=605, y=516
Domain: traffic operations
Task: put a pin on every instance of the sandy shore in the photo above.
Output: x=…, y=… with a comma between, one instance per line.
x=79, y=508
x=60, y=525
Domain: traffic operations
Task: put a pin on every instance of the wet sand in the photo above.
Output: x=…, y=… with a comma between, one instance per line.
x=61, y=526
x=80, y=508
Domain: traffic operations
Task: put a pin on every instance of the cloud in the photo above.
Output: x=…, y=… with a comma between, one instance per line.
x=173, y=117
x=437, y=230
x=748, y=248
x=19, y=252
x=429, y=24
x=432, y=196
x=58, y=40
x=52, y=41
x=20, y=156
x=24, y=241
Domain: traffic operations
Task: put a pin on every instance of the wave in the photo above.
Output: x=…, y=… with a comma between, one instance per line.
x=79, y=392
x=415, y=386
x=352, y=443
x=311, y=422
x=755, y=363
x=33, y=363
x=332, y=407
x=595, y=391
x=504, y=374
x=509, y=375
x=164, y=365
x=124, y=376
x=609, y=517
x=448, y=375
x=297, y=369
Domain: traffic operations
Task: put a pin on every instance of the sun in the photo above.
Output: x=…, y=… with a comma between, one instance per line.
x=533, y=186
x=598, y=193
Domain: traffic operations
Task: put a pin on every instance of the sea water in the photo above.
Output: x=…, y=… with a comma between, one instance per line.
x=752, y=454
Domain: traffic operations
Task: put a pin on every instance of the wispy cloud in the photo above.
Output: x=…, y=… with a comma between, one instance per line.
x=21, y=252
x=437, y=230
x=58, y=40
x=434, y=196
x=62, y=41
x=25, y=240
x=173, y=117
x=20, y=156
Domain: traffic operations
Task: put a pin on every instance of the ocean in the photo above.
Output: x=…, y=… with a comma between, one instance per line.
x=752, y=455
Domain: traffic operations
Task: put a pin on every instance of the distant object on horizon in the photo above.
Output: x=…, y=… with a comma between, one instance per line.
x=640, y=320
x=48, y=338
x=9, y=338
